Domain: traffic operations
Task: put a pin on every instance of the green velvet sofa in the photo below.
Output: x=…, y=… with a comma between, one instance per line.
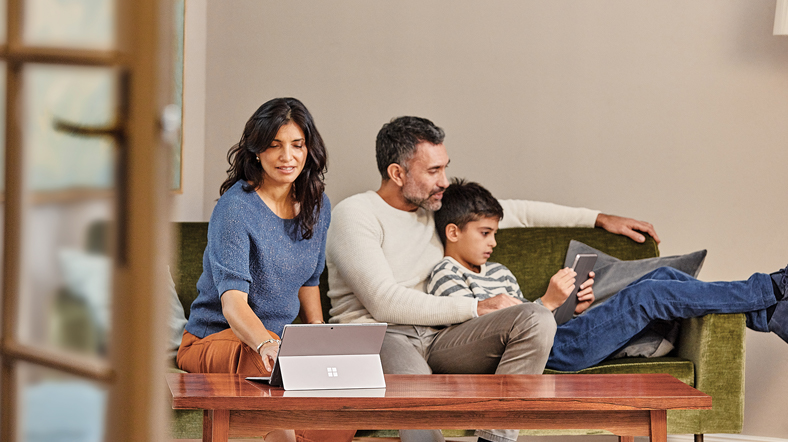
x=709, y=354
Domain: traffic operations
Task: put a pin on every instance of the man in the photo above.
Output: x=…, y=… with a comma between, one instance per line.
x=382, y=245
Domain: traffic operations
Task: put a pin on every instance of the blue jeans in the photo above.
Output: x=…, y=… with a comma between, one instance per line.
x=665, y=294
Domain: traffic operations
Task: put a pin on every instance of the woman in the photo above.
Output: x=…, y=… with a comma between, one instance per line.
x=265, y=252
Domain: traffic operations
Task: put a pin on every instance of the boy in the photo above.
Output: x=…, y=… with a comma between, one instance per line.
x=467, y=223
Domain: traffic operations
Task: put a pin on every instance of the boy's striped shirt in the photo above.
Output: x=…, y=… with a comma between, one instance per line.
x=449, y=278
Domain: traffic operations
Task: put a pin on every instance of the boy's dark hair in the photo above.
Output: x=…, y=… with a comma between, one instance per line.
x=463, y=202
x=397, y=140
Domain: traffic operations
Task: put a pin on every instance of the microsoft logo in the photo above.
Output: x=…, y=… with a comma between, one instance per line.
x=332, y=372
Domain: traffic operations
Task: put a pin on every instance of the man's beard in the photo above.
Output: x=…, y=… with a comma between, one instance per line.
x=425, y=203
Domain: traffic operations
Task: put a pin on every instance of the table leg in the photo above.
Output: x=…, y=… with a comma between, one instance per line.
x=659, y=426
x=215, y=425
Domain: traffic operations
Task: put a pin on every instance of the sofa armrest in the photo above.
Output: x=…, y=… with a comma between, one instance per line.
x=715, y=344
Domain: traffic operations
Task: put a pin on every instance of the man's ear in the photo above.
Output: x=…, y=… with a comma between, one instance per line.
x=452, y=232
x=396, y=174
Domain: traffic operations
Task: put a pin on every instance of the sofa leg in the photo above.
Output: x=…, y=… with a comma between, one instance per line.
x=698, y=438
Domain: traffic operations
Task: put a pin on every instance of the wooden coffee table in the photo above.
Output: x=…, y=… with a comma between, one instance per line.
x=627, y=405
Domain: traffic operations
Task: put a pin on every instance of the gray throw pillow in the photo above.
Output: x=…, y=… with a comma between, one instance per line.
x=613, y=274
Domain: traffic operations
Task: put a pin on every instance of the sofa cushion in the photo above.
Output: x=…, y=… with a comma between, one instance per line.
x=679, y=368
x=190, y=242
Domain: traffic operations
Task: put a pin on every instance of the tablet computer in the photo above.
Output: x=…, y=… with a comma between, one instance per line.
x=583, y=265
x=328, y=356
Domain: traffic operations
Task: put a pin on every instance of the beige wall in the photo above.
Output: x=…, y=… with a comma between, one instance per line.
x=670, y=111
x=188, y=205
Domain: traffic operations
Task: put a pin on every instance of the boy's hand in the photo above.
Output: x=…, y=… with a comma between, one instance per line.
x=586, y=295
x=495, y=303
x=560, y=287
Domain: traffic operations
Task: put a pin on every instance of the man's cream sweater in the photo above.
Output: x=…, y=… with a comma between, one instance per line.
x=379, y=259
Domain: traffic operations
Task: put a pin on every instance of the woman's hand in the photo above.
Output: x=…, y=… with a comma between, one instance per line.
x=247, y=326
x=560, y=287
x=268, y=352
x=586, y=295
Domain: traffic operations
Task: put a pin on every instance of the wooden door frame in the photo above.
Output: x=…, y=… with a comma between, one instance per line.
x=137, y=408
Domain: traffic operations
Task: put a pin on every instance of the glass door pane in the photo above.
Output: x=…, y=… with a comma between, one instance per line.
x=54, y=407
x=3, y=21
x=82, y=24
x=69, y=182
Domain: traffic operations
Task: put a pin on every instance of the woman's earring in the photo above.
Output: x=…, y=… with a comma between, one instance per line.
x=258, y=159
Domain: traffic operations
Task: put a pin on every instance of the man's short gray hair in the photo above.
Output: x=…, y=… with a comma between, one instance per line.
x=397, y=140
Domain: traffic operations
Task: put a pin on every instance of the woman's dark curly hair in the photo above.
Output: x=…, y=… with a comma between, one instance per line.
x=260, y=131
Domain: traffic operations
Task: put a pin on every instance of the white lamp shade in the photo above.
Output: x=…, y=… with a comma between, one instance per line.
x=781, y=18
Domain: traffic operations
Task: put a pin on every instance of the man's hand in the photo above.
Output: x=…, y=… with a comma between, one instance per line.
x=626, y=226
x=497, y=302
x=559, y=288
x=586, y=294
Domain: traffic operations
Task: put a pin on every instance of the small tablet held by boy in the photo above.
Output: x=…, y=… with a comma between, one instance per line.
x=467, y=223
